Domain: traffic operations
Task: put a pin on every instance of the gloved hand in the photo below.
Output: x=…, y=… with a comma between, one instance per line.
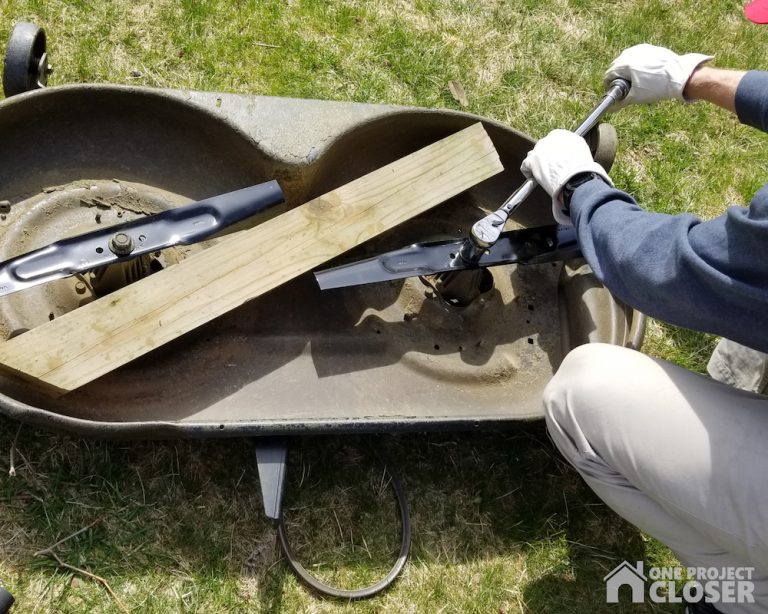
x=554, y=160
x=655, y=73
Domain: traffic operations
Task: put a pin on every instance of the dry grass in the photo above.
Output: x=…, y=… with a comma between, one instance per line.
x=500, y=523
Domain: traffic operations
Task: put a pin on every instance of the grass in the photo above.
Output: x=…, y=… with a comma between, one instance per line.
x=501, y=524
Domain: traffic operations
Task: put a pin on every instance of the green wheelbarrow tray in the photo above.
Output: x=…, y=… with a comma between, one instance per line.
x=382, y=357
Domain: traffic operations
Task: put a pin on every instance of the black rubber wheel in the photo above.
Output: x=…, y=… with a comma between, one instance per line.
x=603, y=142
x=6, y=601
x=26, y=61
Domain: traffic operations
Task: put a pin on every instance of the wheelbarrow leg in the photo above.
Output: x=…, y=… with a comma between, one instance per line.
x=271, y=459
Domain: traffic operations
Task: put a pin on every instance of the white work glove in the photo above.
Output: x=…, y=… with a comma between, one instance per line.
x=655, y=73
x=554, y=160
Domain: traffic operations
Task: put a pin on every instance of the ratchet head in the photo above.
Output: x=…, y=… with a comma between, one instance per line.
x=484, y=234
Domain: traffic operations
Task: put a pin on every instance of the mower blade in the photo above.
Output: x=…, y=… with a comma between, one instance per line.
x=180, y=226
x=526, y=246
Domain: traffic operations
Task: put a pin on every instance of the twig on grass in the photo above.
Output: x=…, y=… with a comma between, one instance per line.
x=88, y=574
x=49, y=551
x=267, y=45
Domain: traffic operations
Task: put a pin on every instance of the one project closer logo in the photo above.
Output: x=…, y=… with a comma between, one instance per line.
x=713, y=584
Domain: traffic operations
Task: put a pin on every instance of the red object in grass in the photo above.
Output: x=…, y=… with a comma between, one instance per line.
x=757, y=11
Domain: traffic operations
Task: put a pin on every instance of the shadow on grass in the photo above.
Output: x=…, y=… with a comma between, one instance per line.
x=498, y=519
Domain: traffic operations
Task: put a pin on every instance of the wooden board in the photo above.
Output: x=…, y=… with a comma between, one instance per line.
x=84, y=344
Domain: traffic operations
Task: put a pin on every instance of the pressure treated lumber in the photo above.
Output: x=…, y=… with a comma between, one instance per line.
x=88, y=342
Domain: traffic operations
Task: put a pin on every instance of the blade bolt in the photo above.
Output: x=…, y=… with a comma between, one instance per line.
x=121, y=244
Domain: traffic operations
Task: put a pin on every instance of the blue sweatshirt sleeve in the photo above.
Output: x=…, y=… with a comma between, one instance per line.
x=710, y=276
x=752, y=100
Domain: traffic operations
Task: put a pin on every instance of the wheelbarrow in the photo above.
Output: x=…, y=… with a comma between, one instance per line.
x=376, y=358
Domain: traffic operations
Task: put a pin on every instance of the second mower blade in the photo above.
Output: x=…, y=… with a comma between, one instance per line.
x=526, y=246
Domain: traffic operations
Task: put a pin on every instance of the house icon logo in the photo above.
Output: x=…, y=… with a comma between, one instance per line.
x=625, y=574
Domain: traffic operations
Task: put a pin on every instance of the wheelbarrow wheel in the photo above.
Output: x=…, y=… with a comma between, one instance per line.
x=26, y=60
x=603, y=142
x=6, y=601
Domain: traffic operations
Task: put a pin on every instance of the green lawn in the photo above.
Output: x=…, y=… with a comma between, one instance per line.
x=501, y=523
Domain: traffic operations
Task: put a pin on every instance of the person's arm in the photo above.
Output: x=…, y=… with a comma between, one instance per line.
x=702, y=275
x=657, y=74
x=714, y=85
x=708, y=276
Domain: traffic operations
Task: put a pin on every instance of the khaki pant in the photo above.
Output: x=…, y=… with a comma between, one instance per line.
x=679, y=455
